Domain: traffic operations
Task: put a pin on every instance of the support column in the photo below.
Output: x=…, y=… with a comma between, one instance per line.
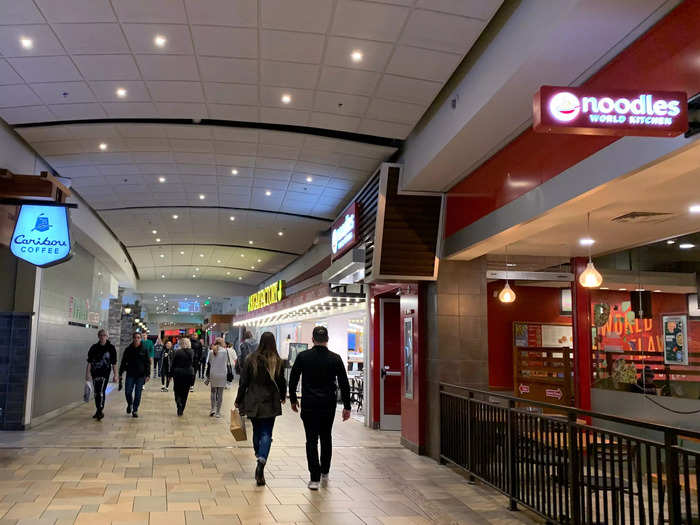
x=582, y=336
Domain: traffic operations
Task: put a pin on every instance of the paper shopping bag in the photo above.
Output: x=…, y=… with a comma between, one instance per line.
x=238, y=426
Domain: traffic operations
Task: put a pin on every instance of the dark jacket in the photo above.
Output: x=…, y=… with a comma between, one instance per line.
x=258, y=395
x=322, y=372
x=167, y=358
x=181, y=365
x=197, y=350
x=101, y=359
x=135, y=361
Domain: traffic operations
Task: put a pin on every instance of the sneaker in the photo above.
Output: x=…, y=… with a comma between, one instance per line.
x=218, y=415
x=260, y=474
x=211, y=414
x=166, y=389
x=134, y=415
x=128, y=409
x=324, y=480
x=94, y=416
x=163, y=389
x=100, y=416
x=314, y=485
x=191, y=389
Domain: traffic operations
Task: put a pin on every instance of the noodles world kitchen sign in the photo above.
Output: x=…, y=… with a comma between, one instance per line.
x=614, y=112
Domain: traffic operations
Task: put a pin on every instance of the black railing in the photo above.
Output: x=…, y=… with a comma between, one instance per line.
x=551, y=460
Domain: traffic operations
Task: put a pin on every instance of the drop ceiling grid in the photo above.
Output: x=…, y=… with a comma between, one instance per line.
x=175, y=83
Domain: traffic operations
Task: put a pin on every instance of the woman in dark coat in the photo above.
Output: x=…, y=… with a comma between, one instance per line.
x=261, y=394
x=182, y=372
x=166, y=359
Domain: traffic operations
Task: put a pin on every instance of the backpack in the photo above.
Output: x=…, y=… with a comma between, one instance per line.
x=243, y=350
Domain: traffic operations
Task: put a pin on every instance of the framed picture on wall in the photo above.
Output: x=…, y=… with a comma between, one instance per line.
x=566, y=301
x=675, y=333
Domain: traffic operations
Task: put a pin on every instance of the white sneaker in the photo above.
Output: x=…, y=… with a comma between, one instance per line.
x=324, y=480
x=218, y=415
x=314, y=485
x=211, y=414
x=191, y=389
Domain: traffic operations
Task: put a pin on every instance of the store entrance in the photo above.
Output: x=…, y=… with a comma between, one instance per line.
x=390, y=364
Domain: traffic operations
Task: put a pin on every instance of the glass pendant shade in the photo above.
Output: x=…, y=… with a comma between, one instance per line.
x=507, y=295
x=590, y=277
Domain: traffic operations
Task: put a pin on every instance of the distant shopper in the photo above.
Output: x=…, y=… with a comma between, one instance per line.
x=182, y=372
x=244, y=349
x=165, y=361
x=217, y=369
x=261, y=393
x=197, y=351
x=150, y=347
x=102, y=359
x=319, y=369
x=137, y=365
x=157, y=357
x=203, y=361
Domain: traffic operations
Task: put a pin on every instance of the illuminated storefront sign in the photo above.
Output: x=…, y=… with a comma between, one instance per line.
x=41, y=236
x=344, y=231
x=267, y=296
x=611, y=112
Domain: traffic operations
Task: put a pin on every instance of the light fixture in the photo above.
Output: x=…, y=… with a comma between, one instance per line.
x=160, y=40
x=252, y=267
x=243, y=256
x=670, y=241
x=196, y=269
x=507, y=295
x=309, y=179
x=695, y=208
x=162, y=256
x=175, y=216
x=657, y=291
x=162, y=276
x=286, y=98
x=218, y=261
x=161, y=179
x=157, y=239
x=103, y=146
x=27, y=43
x=201, y=255
x=686, y=246
x=202, y=196
x=127, y=310
x=586, y=241
x=194, y=276
x=280, y=234
x=622, y=289
x=259, y=260
x=154, y=232
x=121, y=92
x=240, y=278
x=228, y=273
x=232, y=218
x=234, y=171
x=268, y=192
x=356, y=56
x=181, y=253
x=137, y=320
x=590, y=277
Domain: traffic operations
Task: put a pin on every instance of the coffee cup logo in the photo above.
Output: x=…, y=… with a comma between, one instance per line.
x=565, y=106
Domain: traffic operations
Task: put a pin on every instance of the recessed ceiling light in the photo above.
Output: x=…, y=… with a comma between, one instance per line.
x=686, y=246
x=280, y=234
x=259, y=260
x=268, y=193
x=622, y=289
x=640, y=289
x=250, y=242
x=181, y=253
x=695, y=208
x=309, y=179
x=356, y=55
x=286, y=98
x=252, y=267
x=121, y=92
x=232, y=218
x=234, y=171
x=103, y=146
x=586, y=241
x=228, y=273
x=202, y=196
x=157, y=239
x=240, y=278
x=194, y=276
x=218, y=261
x=162, y=276
x=162, y=256
x=161, y=179
x=196, y=269
x=201, y=255
x=27, y=43
x=160, y=40
x=175, y=216
x=154, y=232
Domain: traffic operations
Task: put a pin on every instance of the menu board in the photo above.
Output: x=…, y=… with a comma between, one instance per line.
x=675, y=339
x=527, y=335
x=535, y=335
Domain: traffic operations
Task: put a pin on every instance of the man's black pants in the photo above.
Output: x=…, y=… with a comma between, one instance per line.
x=318, y=424
x=99, y=385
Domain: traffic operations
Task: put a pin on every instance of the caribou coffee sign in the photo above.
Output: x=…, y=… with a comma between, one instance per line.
x=611, y=112
x=41, y=235
x=344, y=231
x=267, y=296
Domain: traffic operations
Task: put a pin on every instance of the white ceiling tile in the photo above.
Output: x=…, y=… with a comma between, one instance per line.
x=232, y=112
x=293, y=117
x=64, y=92
x=305, y=188
x=482, y=9
x=270, y=184
x=107, y=67
x=92, y=38
x=15, y=12
x=408, y=89
x=130, y=109
x=41, y=134
x=234, y=70
x=292, y=47
x=281, y=138
x=196, y=158
x=309, y=16
x=45, y=42
x=240, y=94
x=272, y=96
x=288, y=74
x=340, y=104
x=188, y=132
x=225, y=162
x=375, y=55
x=77, y=111
x=45, y=69
x=282, y=167
x=241, y=13
x=88, y=131
x=385, y=129
x=175, y=91
x=7, y=74
x=315, y=169
x=340, y=184
x=359, y=163
x=334, y=121
x=152, y=11
x=182, y=110
x=107, y=90
x=368, y=20
x=141, y=37
x=195, y=146
x=441, y=31
x=225, y=41
x=168, y=67
x=17, y=95
x=348, y=80
x=235, y=148
x=423, y=63
x=394, y=111
x=65, y=11
x=320, y=156
x=147, y=144
x=278, y=152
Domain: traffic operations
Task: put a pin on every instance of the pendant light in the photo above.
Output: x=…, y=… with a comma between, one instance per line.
x=590, y=277
x=507, y=295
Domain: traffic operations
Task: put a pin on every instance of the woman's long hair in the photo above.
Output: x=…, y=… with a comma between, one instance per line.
x=266, y=353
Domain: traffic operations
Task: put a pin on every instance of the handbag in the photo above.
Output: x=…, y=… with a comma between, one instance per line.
x=237, y=427
x=229, y=368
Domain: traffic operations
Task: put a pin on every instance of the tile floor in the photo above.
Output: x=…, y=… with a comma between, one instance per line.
x=161, y=469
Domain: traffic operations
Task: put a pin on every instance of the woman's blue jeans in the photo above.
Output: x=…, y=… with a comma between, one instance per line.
x=262, y=436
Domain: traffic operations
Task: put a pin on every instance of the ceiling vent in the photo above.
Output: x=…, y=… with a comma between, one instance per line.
x=642, y=217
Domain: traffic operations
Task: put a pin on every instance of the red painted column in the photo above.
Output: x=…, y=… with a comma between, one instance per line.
x=583, y=360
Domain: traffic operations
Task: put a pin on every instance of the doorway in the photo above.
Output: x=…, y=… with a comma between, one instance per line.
x=390, y=364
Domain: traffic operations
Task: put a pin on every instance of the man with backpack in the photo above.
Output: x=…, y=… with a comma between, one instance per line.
x=246, y=348
x=101, y=359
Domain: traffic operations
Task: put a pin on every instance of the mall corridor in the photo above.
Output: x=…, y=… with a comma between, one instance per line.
x=161, y=469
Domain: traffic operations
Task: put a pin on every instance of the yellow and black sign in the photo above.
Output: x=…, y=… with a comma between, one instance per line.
x=267, y=296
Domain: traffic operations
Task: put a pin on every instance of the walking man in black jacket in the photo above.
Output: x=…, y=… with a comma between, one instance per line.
x=320, y=369
x=101, y=359
x=137, y=364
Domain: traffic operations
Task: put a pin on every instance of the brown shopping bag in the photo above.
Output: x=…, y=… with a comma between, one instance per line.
x=238, y=426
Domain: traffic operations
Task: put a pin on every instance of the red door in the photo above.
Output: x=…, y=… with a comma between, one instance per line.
x=390, y=364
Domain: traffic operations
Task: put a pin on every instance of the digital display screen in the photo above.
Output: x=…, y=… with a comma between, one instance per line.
x=188, y=307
